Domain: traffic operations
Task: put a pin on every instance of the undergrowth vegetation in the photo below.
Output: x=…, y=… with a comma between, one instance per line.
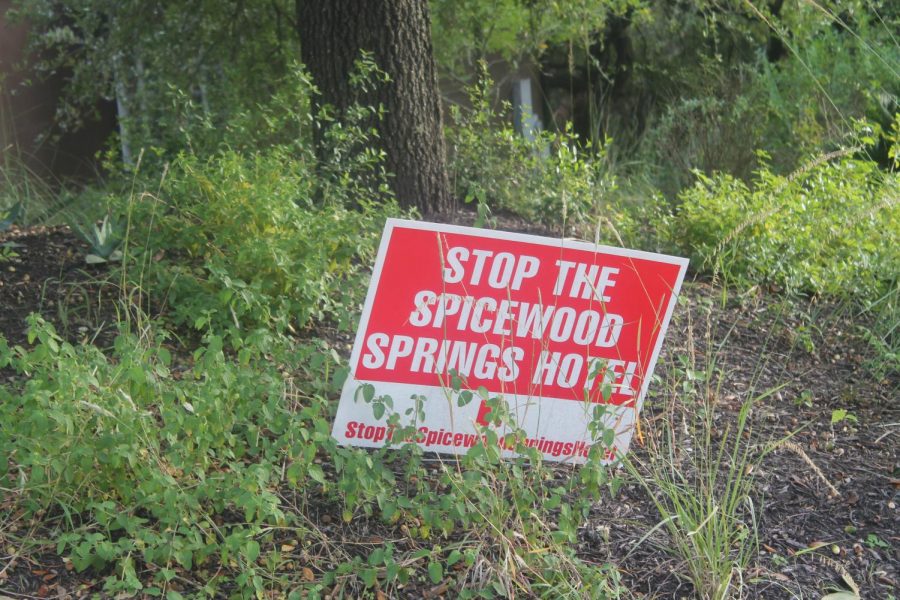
x=550, y=178
x=184, y=459
x=172, y=476
x=193, y=456
x=830, y=229
x=230, y=257
x=132, y=460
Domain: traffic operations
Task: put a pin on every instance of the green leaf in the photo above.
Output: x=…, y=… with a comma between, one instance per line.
x=454, y=557
x=435, y=572
x=838, y=415
x=609, y=437
x=137, y=375
x=606, y=391
x=377, y=557
x=368, y=392
x=369, y=576
x=465, y=397
x=93, y=259
x=316, y=473
x=378, y=410
x=251, y=550
x=185, y=558
x=455, y=381
x=294, y=472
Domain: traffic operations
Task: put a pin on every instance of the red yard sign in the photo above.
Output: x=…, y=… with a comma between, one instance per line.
x=553, y=327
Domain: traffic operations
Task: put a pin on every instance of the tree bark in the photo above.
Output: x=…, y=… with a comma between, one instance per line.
x=398, y=34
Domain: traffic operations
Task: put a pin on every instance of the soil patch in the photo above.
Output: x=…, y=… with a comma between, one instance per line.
x=42, y=270
x=826, y=500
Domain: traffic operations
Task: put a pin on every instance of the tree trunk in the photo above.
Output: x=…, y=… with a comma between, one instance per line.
x=398, y=34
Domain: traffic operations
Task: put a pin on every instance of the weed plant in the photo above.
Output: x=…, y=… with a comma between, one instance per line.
x=699, y=470
x=555, y=178
x=235, y=242
x=270, y=235
x=829, y=229
x=700, y=482
x=497, y=528
x=172, y=474
x=25, y=197
x=161, y=463
x=128, y=459
x=173, y=467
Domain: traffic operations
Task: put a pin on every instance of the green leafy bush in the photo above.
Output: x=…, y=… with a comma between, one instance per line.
x=264, y=231
x=136, y=459
x=520, y=516
x=843, y=65
x=466, y=31
x=243, y=242
x=144, y=459
x=714, y=132
x=717, y=89
x=833, y=228
x=238, y=58
x=830, y=229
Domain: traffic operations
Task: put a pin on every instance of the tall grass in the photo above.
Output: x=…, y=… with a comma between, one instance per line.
x=703, y=495
x=24, y=191
x=698, y=470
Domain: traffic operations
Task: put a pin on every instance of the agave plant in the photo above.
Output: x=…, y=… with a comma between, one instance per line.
x=104, y=240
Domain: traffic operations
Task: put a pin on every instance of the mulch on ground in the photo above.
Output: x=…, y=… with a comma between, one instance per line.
x=827, y=509
x=45, y=272
x=810, y=538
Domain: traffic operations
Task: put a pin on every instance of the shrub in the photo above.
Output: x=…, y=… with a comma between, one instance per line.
x=712, y=93
x=263, y=231
x=160, y=465
x=236, y=241
x=832, y=228
x=134, y=459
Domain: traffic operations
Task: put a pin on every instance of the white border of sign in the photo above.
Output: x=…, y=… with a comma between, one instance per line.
x=351, y=385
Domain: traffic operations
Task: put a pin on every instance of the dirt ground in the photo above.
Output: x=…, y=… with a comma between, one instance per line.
x=828, y=516
x=828, y=498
